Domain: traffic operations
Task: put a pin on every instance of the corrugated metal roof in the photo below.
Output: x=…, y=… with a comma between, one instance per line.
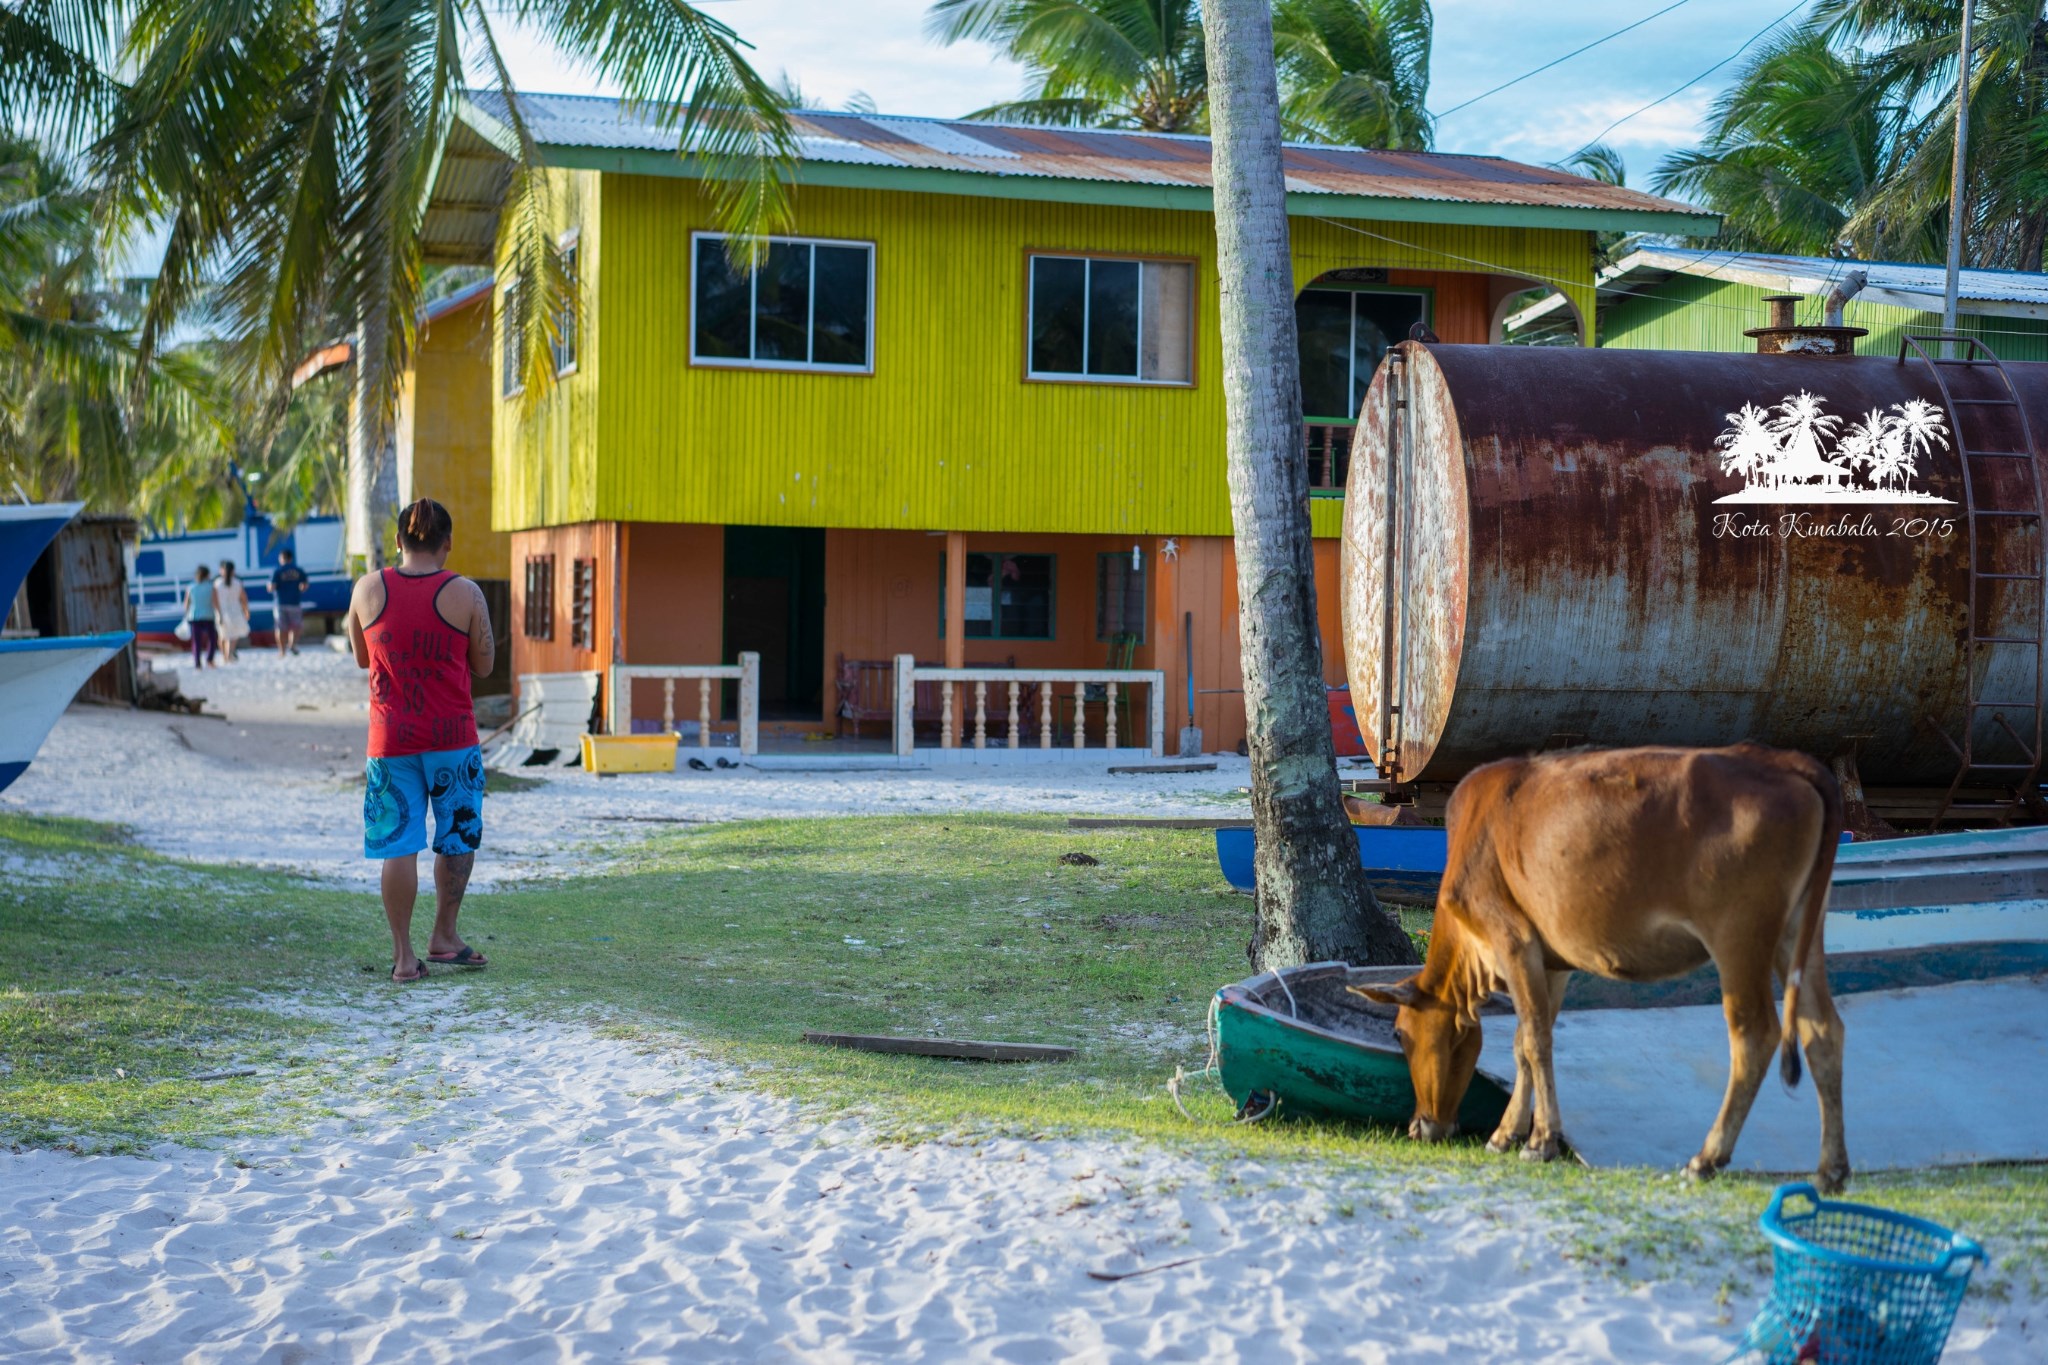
x=2012, y=293
x=1082, y=156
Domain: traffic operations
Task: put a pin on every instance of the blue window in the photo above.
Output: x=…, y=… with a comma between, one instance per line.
x=149, y=563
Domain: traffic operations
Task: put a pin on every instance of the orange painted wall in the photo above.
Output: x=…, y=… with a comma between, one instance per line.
x=597, y=540
x=673, y=608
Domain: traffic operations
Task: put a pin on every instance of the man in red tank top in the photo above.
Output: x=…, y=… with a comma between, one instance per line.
x=422, y=632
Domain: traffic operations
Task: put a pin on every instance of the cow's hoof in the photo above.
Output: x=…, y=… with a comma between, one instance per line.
x=1545, y=1150
x=1702, y=1168
x=1500, y=1144
x=1831, y=1179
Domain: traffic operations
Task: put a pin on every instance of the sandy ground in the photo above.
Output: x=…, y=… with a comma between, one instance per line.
x=580, y=1201
x=279, y=783
x=566, y=1197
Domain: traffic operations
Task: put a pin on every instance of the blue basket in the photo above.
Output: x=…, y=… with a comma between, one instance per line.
x=1855, y=1285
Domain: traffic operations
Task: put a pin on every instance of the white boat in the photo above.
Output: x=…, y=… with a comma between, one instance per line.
x=161, y=568
x=1976, y=886
x=38, y=679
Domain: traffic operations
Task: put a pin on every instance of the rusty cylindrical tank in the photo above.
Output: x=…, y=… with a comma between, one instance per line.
x=1586, y=546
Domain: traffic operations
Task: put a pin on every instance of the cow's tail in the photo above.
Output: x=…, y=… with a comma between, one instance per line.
x=1813, y=905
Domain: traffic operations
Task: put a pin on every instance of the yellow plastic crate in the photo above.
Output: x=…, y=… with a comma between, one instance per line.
x=630, y=753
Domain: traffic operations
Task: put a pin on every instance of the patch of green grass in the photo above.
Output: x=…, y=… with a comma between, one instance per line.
x=736, y=938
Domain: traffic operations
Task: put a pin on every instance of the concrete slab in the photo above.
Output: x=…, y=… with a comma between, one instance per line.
x=1940, y=1076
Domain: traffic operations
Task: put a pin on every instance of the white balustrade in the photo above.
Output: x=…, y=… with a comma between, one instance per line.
x=747, y=673
x=1052, y=686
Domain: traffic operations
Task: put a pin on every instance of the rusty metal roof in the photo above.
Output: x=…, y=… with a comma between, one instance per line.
x=951, y=156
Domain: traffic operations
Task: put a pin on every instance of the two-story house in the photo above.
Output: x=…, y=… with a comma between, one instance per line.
x=970, y=409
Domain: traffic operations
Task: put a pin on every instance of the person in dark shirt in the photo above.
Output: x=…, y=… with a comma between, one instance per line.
x=287, y=592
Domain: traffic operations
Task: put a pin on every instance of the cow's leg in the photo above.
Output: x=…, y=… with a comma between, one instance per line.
x=1530, y=987
x=1521, y=1112
x=1752, y=1039
x=1820, y=1037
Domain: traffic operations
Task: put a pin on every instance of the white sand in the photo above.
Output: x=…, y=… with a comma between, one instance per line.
x=278, y=784
x=571, y=1199
x=580, y=1201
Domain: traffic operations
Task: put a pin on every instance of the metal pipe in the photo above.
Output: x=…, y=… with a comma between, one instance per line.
x=1846, y=288
x=1951, y=286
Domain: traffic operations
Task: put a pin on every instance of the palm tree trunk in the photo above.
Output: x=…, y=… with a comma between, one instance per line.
x=1313, y=902
x=372, y=453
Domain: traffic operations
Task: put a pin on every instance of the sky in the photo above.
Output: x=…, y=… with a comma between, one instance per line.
x=837, y=49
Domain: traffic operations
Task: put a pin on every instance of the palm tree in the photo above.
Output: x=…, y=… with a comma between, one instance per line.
x=1841, y=132
x=1350, y=71
x=1863, y=444
x=74, y=422
x=1748, y=447
x=1916, y=430
x=1801, y=425
x=1313, y=902
x=290, y=145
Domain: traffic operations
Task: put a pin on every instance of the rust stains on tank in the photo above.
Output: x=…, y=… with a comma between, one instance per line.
x=1568, y=568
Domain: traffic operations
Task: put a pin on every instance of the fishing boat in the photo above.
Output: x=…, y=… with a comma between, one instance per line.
x=26, y=530
x=161, y=568
x=38, y=679
x=1403, y=863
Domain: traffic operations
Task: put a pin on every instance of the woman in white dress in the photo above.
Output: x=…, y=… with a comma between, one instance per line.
x=231, y=609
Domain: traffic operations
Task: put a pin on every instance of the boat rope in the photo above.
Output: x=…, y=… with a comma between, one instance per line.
x=1214, y=1069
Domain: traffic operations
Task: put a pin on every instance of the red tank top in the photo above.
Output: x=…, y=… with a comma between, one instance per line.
x=419, y=672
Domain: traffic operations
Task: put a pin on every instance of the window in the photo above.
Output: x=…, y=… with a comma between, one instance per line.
x=1343, y=334
x=513, y=338
x=583, y=604
x=540, y=597
x=565, y=321
x=149, y=563
x=1115, y=320
x=1009, y=597
x=1119, y=598
x=809, y=307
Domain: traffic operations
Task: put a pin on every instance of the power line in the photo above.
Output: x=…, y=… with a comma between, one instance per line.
x=1594, y=141
x=1565, y=58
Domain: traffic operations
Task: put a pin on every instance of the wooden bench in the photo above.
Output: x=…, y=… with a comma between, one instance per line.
x=867, y=692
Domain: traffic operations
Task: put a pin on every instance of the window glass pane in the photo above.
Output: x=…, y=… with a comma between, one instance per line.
x=510, y=343
x=1058, y=290
x=565, y=321
x=1167, y=354
x=1024, y=597
x=722, y=294
x=840, y=313
x=1119, y=597
x=782, y=304
x=1322, y=324
x=1383, y=319
x=979, y=603
x=1113, y=318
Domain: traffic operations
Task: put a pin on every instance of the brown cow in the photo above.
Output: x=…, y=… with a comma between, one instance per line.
x=1638, y=864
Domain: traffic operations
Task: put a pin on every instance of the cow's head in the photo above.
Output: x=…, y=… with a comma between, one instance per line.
x=1442, y=1046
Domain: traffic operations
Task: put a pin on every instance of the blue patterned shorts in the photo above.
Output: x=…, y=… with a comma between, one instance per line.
x=400, y=792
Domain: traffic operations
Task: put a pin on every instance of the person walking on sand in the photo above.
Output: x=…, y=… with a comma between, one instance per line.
x=287, y=602
x=199, y=598
x=230, y=609
x=423, y=632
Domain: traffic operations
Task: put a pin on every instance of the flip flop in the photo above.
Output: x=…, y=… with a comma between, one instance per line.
x=727, y=763
x=420, y=975
x=465, y=956
x=699, y=765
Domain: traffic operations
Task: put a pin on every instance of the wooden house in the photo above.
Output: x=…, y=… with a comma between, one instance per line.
x=970, y=410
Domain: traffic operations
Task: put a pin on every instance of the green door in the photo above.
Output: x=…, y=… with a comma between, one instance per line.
x=775, y=607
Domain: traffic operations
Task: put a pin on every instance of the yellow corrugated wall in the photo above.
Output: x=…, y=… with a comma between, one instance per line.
x=545, y=447
x=945, y=434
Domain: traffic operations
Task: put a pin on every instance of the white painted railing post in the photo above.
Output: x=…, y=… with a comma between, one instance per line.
x=906, y=703
x=750, y=703
x=1157, y=705
x=617, y=708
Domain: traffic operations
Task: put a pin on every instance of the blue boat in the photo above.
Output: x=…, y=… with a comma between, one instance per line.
x=38, y=679
x=26, y=530
x=161, y=567
x=1402, y=862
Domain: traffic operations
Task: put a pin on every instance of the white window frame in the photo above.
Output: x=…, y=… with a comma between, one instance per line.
x=572, y=240
x=508, y=347
x=1071, y=377
x=810, y=321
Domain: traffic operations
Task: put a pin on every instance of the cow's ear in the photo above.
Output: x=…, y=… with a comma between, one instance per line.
x=1400, y=993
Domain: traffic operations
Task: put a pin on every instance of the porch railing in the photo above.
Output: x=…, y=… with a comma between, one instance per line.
x=1329, y=454
x=747, y=672
x=1053, y=689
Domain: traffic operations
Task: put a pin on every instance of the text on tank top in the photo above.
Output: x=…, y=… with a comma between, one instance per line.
x=419, y=671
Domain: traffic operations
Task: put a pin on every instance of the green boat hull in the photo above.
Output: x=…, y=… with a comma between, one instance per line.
x=1326, y=1053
